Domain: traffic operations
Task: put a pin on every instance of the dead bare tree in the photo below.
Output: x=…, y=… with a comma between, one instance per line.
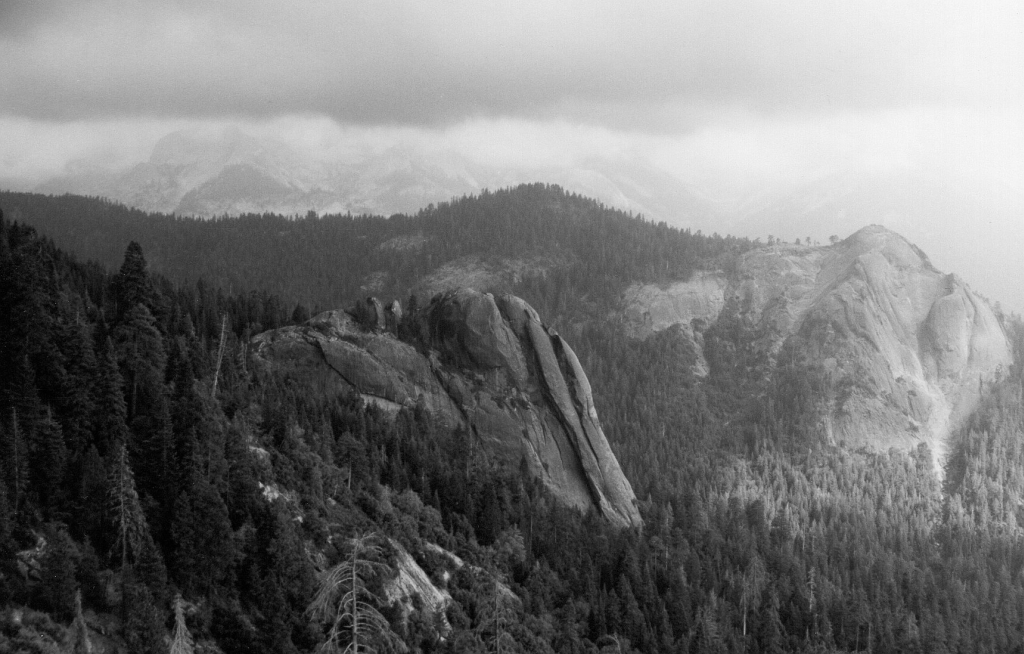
x=345, y=601
x=220, y=353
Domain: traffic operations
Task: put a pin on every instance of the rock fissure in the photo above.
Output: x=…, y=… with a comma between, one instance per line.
x=320, y=348
x=555, y=392
x=577, y=401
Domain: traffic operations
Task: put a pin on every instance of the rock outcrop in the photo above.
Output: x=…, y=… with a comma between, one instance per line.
x=906, y=349
x=410, y=581
x=488, y=364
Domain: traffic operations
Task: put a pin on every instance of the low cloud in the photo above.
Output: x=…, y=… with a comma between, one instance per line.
x=732, y=97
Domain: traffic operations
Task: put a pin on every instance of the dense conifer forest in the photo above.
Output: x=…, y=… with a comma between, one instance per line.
x=160, y=490
x=324, y=261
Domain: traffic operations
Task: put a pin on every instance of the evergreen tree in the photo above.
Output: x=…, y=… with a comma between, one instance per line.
x=57, y=569
x=48, y=455
x=78, y=641
x=110, y=420
x=6, y=520
x=202, y=534
x=151, y=570
x=123, y=506
x=89, y=499
x=132, y=286
x=15, y=460
x=143, y=360
x=753, y=581
x=300, y=314
x=181, y=642
x=143, y=627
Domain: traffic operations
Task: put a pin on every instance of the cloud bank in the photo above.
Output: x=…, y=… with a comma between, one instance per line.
x=656, y=66
x=733, y=97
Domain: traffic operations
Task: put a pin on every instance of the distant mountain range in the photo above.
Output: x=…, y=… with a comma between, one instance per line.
x=973, y=226
x=202, y=174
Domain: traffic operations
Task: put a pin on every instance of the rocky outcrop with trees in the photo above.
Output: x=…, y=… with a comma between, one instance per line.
x=474, y=361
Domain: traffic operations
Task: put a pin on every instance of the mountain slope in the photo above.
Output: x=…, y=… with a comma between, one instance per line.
x=333, y=260
x=971, y=226
x=898, y=352
x=492, y=367
x=249, y=484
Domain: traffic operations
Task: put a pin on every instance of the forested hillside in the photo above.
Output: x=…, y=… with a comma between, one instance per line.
x=332, y=260
x=143, y=461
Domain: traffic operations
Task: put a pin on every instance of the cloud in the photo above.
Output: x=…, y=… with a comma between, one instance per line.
x=658, y=66
x=734, y=97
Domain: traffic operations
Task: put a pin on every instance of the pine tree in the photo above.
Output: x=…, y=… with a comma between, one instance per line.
x=754, y=579
x=124, y=508
x=143, y=359
x=132, y=286
x=181, y=642
x=15, y=459
x=6, y=520
x=300, y=314
x=78, y=633
x=709, y=630
x=202, y=535
x=48, y=455
x=57, y=573
x=151, y=570
x=77, y=404
x=90, y=496
x=110, y=421
x=345, y=602
x=143, y=626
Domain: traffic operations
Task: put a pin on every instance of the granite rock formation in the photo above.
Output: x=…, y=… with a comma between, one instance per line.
x=488, y=364
x=906, y=349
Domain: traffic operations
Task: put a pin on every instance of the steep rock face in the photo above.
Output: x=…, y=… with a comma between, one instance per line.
x=490, y=272
x=905, y=348
x=651, y=308
x=489, y=365
x=693, y=305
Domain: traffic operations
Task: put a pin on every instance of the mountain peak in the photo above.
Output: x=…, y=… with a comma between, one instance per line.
x=873, y=231
x=902, y=349
x=892, y=245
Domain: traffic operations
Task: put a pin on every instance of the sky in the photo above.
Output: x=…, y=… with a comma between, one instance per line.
x=733, y=95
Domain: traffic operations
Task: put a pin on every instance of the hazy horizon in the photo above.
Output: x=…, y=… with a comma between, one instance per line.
x=738, y=100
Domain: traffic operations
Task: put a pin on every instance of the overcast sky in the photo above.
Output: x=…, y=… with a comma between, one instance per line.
x=730, y=92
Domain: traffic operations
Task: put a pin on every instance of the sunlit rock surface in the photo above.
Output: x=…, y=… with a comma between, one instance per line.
x=907, y=349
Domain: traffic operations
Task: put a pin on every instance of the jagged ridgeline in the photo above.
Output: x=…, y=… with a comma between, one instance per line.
x=390, y=444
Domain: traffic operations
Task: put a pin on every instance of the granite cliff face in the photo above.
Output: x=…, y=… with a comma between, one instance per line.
x=491, y=366
x=905, y=349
